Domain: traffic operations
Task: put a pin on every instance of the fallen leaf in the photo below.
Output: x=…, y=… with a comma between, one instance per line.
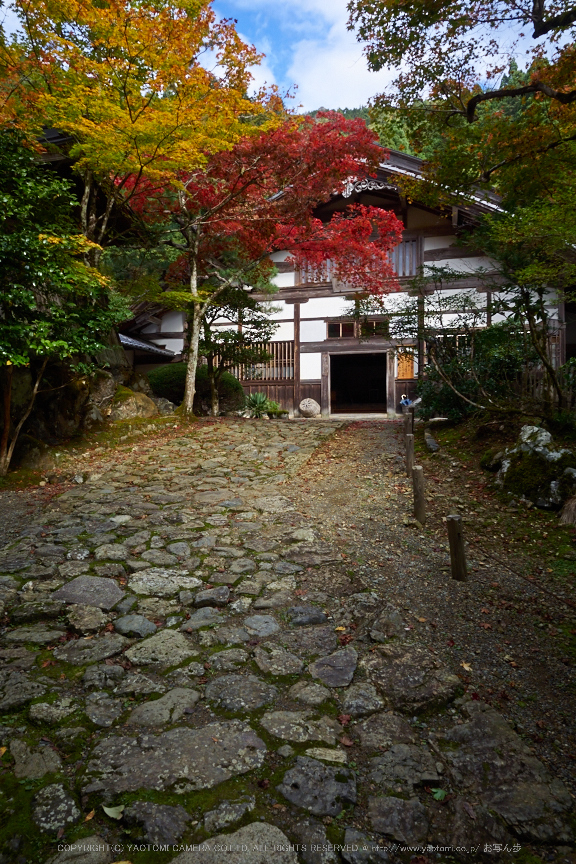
x=485, y=626
x=346, y=741
x=264, y=784
x=422, y=620
x=469, y=809
x=114, y=812
x=466, y=666
x=344, y=719
x=90, y=816
x=438, y=794
x=340, y=628
x=216, y=740
x=2, y=751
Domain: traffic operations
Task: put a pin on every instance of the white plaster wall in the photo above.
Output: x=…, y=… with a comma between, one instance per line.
x=284, y=310
x=172, y=322
x=284, y=331
x=312, y=331
x=438, y=242
x=283, y=280
x=467, y=266
x=174, y=345
x=310, y=367
x=279, y=256
x=320, y=307
x=150, y=328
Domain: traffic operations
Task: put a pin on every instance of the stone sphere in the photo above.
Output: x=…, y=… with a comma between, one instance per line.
x=309, y=408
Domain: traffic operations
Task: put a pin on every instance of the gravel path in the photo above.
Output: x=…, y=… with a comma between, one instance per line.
x=235, y=635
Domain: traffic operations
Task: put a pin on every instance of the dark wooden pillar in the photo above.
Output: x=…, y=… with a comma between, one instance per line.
x=390, y=384
x=297, y=397
x=325, y=385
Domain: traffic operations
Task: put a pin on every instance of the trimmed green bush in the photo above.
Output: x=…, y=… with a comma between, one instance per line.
x=169, y=382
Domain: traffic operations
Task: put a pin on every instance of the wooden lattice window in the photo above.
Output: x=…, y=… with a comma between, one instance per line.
x=341, y=330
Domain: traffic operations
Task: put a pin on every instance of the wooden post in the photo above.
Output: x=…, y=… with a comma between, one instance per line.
x=407, y=426
x=457, y=553
x=419, y=500
x=409, y=454
x=411, y=412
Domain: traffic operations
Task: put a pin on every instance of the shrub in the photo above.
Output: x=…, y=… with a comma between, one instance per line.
x=169, y=381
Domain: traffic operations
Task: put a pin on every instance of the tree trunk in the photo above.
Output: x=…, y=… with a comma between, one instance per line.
x=7, y=451
x=214, y=398
x=190, y=389
x=7, y=406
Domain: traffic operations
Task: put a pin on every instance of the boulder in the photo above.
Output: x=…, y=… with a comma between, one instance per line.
x=537, y=470
x=127, y=404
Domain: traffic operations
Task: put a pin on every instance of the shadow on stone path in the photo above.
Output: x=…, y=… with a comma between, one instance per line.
x=187, y=645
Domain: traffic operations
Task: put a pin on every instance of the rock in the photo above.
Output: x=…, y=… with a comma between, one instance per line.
x=302, y=616
x=286, y=751
x=54, y=808
x=311, y=640
x=212, y=597
x=489, y=760
x=206, y=757
x=243, y=565
x=240, y=692
x=134, y=625
x=83, y=651
x=276, y=601
x=273, y=504
x=38, y=634
x=309, y=408
x=538, y=471
x=68, y=569
x=168, y=709
x=286, y=567
x=274, y=660
x=360, y=849
x=261, y=625
x=336, y=670
x=125, y=605
x=227, y=661
x=102, y=710
x=309, y=693
x=323, y=754
x=297, y=726
x=90, y=591
x=40, y=609
x=388, y=626
x=225, y=636
x=315, y=787
x=111, y=552
x=32, y=765
x=159, y=582
x=103, y=676
x=315, y=846
x=159, y=558
x=136, y=684
x=44, y=712
x=86, y=619
x=87, y=850
x=181, y=550
x=162, y=824
x=381, y=731
x=410, y=678
x=360, y=700
x=12, y=659
x=252, y=844
x=403, y=821
x=128, y=404
x=405, y=765
x=228, y=813
x=165, y=648
x=16, y=689
x=204, y=617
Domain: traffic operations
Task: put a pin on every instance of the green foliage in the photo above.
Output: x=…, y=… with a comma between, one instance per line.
x=258, y=405
x=169, y=382
x=52, y=305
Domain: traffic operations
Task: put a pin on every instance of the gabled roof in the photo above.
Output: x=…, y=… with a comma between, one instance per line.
x=140, y=345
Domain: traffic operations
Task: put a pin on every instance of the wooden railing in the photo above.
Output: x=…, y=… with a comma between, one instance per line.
x=405, y=259
x=279, y=367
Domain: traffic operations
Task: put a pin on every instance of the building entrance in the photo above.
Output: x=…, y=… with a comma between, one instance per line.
x=358, y=383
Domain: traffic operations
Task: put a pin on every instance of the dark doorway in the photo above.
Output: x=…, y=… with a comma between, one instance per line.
x=358, y=383
x=570, y=314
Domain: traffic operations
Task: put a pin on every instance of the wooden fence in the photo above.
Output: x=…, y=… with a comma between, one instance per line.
x=280, y=367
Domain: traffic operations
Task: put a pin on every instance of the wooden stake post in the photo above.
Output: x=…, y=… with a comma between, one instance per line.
x=409, y=454
x=419, y=500
x=407, y=423
x=457, y=553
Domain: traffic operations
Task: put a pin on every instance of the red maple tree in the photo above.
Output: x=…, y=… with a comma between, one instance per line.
x=260, y=197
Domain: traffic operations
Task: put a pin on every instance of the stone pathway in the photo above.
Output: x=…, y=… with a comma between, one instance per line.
x=180, y=669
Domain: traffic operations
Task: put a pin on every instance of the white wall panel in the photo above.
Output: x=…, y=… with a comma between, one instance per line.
x=437, y=242
x=310, y=367
x=284, y=331
x=467, y=266
x=175, y=345
x=320, y=307
x=172, y=322
x=285, y=310
x=283, y=280
x=312, y=331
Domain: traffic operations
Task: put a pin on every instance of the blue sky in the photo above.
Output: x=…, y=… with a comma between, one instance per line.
x=308, y=46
